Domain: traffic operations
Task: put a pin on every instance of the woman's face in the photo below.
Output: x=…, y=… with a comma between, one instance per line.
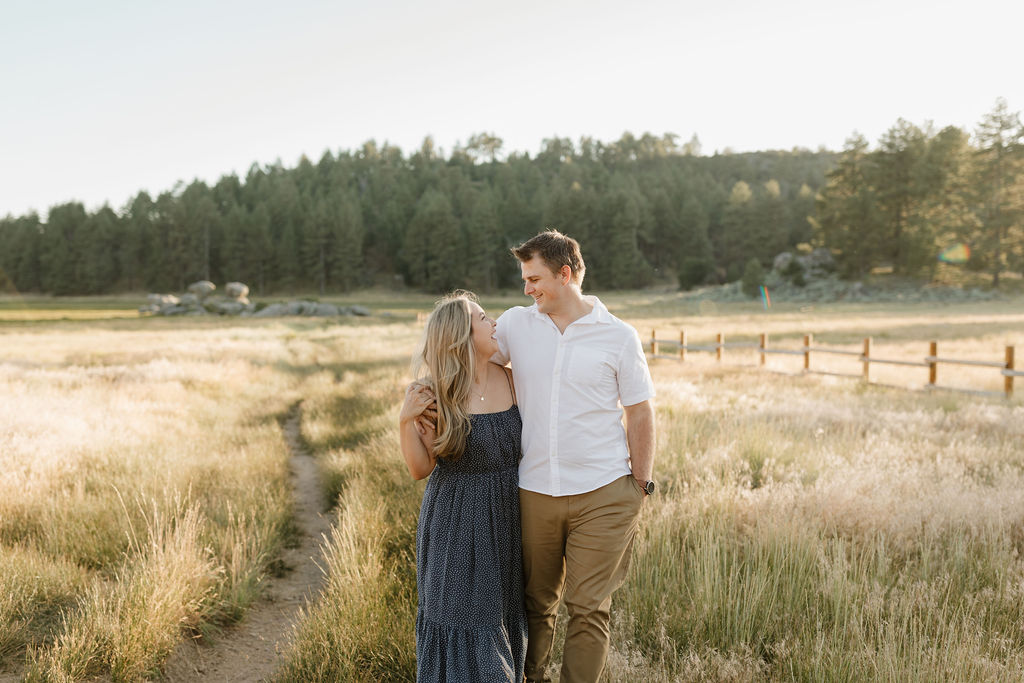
x=483, y=330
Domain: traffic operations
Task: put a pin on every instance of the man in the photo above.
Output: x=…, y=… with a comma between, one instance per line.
x=583, y=477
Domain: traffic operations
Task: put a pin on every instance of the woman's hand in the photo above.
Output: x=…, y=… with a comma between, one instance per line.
x=416, y=429
x=418, y=398
x=426, y=422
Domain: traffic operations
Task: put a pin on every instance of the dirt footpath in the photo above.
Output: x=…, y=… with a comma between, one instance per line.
x=248, y=651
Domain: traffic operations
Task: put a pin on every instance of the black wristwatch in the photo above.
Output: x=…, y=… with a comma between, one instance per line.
x=647, y=486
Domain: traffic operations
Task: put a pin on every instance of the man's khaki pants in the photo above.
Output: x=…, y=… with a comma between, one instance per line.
x=583, y=544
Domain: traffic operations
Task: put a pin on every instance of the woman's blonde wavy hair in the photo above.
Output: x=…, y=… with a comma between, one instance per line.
x=446, y=363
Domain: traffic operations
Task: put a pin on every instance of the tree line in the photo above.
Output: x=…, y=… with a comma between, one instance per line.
x=646, y=209
x=921, y=191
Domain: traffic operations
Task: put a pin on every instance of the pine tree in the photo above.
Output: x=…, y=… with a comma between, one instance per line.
x=484, y=246
x=99, y=239
x=620, y=265
x=346, y=255
x=848, y=221
x=999, y=183
x=696, y=257
x=433, y=248
x=60, y=259
x=899, y=193
x=737, y=240
x=20, y=267
x=137, y=248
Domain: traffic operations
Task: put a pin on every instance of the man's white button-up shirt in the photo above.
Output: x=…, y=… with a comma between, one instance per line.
x=571, y=387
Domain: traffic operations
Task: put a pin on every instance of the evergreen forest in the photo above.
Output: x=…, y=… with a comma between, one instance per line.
x=646, y=209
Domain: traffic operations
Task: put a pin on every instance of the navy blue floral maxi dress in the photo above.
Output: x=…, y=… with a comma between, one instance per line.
x=470, y=624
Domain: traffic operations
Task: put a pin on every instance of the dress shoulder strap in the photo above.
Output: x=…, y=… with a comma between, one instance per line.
x=512, y=389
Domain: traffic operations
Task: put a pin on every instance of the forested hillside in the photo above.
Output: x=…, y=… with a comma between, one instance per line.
x=646, y=209
x=921, y=191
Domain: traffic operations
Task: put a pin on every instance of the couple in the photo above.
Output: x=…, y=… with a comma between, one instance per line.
x=537, y=452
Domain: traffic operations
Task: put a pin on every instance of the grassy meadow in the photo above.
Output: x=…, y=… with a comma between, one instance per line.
x=808, y=528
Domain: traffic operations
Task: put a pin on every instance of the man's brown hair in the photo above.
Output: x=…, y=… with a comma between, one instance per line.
x=556, y=250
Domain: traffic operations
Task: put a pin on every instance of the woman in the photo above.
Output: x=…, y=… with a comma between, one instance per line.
x=470, y=624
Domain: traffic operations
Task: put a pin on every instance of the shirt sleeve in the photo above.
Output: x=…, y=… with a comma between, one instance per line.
x=634, y=377
x=504, y=322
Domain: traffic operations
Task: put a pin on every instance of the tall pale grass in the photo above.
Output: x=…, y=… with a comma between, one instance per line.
x=103, y=434
x=806, y=528
x=127, y=625
x=30, y=607
x=362, y=627
x=815, y=530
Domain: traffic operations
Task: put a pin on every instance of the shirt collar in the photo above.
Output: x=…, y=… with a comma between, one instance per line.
x=599, y=314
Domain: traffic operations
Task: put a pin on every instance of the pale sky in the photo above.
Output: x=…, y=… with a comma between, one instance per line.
x=100, y=100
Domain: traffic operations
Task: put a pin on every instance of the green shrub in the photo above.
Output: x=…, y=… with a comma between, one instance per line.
x=753, y=278
x=693, y=272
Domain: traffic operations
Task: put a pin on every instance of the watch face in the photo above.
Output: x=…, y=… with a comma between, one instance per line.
x=649, y=487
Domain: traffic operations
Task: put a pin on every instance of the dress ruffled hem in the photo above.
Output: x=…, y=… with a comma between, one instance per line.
x=468, y=654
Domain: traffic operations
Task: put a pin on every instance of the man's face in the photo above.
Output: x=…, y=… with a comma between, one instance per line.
x=544, y=286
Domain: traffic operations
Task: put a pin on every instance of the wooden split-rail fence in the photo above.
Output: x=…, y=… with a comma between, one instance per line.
x=931, y=361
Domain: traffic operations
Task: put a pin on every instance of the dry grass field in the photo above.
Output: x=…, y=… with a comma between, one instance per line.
x=807, y=527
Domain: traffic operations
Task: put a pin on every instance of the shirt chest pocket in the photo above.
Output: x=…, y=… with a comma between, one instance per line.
x=592, y=368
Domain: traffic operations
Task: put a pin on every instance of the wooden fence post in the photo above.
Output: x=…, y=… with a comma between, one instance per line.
x=933, y=366
x=867, y=359
x=932, y=360
x=1008, y=380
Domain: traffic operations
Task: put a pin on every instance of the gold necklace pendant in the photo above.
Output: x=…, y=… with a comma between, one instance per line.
x=487, y=378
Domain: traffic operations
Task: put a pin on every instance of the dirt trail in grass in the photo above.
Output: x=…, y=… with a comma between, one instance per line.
x=249, y=650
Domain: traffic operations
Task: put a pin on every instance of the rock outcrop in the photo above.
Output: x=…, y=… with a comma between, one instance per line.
x=200, y=300
x=811, y=278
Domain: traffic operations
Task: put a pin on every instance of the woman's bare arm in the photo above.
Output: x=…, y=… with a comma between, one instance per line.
x=416, y=446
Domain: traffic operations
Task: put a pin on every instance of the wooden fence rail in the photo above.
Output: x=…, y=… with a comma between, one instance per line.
x=931, y=361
